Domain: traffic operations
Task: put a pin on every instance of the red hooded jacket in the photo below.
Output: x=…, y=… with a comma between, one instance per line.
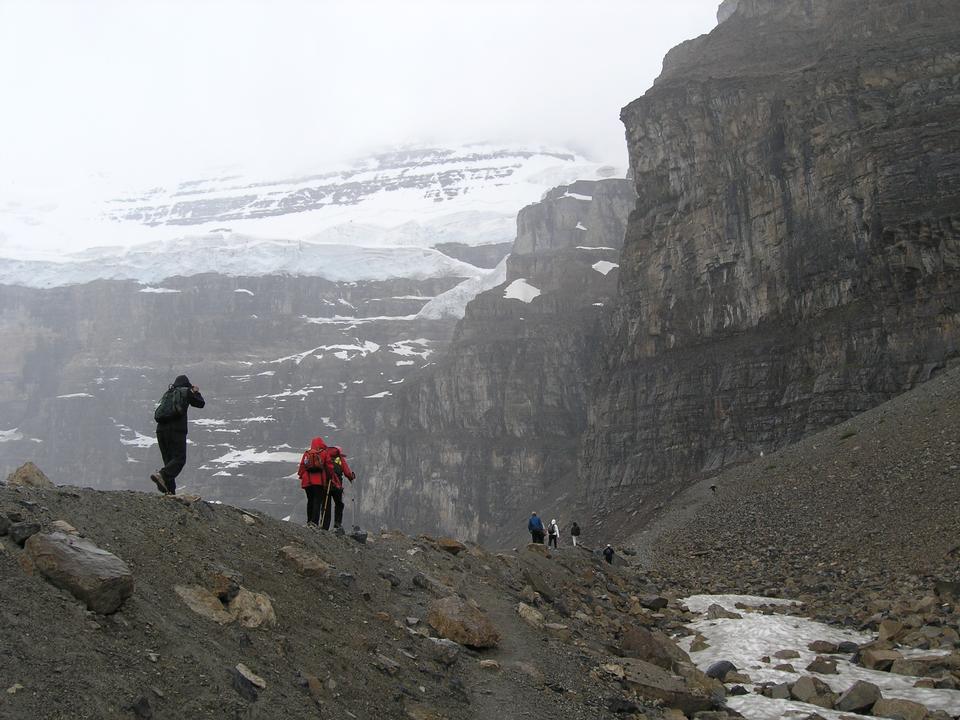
x=319, y=477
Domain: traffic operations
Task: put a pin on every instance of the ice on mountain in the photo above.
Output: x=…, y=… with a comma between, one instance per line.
x=453, y=303
x=76, y=395
x=236, y=458
x=385, y=393
x=155, y=290
x=591, y=247
x=10, y=435
x=521, y=290
x=405, y=362
x=580, y=226
x=604, y=266
x=578, y=196
x=244, y=291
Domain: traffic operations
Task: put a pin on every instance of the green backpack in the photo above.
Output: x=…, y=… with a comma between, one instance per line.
x=172, y=405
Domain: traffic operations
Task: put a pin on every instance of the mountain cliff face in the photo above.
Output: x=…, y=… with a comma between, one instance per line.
x=496, y=424
x=794, y=255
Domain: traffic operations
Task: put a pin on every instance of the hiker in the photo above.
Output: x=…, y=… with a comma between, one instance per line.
x=574, y=533
x=335, y=468
x=312, y=473
x=535, y=526
x=554, y=532
x=608, y=554
x=171, y=417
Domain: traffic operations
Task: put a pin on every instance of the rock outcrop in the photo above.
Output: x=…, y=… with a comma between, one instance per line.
x=794, y=255
x=496, y=424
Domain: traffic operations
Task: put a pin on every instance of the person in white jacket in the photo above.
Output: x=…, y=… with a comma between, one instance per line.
x=554, y=533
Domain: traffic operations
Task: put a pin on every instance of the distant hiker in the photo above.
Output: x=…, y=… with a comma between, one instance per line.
x=328, y=465
x=171, y=418
x=312, y=473
x=535, y=526
x=574, y=533
x=608, y=554
x=713, y=489
x=554, y=532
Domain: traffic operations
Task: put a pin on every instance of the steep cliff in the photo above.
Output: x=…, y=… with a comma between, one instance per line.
x=496, y=424
x=794, y=255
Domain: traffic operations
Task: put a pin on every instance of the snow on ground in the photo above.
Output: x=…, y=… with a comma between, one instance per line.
x=385, y=393
x=598, y=247
x=453, y=303
x=405, y=348
x=351, y=322
x=76, y=395
x=10, y=435
x=258, y=419
x=139, y=440
x=604, y=266
x=743, y=642
x=578, y=196
x=401, y=363
x=521, y=290
x=244, y=290
x=580, y=226
x=155, y=290
x=210, y=422
x=236, y=458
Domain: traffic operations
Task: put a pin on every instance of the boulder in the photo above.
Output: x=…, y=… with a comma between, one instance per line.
x=652, y=646
x=442, y=650
x=454, y=547
x=718, y=612
x=431, y=585
x=899, y=709
x=305, y=562
x=20, y=531
x=531, y=616
x=251, y=609
x=225, y=583
x=859, y=697
x=64, y=527
x=889, y=629
x=652, y=682
x=720, y=669
x=814, y=691
x=246, y=682
x=28, y=475
x=203, y=602
x=879, y=659
x=4, y=524
x=823, y=646
x=456, y=619
x=99, y=579
x=653, y=602
x=559, y=631
x=822, y=665
x=786, y=654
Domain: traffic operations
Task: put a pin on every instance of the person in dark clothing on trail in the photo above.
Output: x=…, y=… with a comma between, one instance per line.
x=608, y=554
x=535, y=526
x=172, y=436
x=575, y=534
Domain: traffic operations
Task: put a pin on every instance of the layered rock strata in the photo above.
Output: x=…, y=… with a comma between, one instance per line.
x=794, y=256
x=496, y=424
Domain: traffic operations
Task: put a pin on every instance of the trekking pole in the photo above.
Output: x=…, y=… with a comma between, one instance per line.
x=353, y=521
x=325, y=519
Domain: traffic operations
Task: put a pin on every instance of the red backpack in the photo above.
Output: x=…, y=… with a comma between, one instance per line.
x=315, y=460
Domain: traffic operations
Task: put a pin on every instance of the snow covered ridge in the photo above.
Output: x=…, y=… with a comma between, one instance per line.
x=226, y=256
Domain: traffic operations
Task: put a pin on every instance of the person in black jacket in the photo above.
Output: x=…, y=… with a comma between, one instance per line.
x=172, y=438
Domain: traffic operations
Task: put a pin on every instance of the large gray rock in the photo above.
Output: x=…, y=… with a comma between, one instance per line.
x=20, y=531
x=652, y=646
x=859, y=697
x=456, y=619
x=28, y=475
x=652, y=682
x=96, y=577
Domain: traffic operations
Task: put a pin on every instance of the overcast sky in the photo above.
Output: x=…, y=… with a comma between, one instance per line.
x=142, y=92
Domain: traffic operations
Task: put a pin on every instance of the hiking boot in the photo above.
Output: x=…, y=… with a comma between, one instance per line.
x=159, y=482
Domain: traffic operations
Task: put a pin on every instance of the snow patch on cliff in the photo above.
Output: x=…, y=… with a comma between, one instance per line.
x=521, y=290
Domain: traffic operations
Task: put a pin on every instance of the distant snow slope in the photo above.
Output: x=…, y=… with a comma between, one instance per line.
x=376, y=219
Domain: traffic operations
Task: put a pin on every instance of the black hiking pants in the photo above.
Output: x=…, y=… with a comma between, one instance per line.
x=552, y=542
x=173, y=450
x=314, y=503
x=333, y=497
x=537, y=536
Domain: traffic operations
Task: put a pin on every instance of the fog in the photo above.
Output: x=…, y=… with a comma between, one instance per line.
x=131, y=94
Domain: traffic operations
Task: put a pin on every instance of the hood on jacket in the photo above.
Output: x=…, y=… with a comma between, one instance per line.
x=317, y=444
x=182, y=381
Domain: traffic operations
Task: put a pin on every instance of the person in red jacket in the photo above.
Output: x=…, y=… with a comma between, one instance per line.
x=312, y=473
x=321, y=474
